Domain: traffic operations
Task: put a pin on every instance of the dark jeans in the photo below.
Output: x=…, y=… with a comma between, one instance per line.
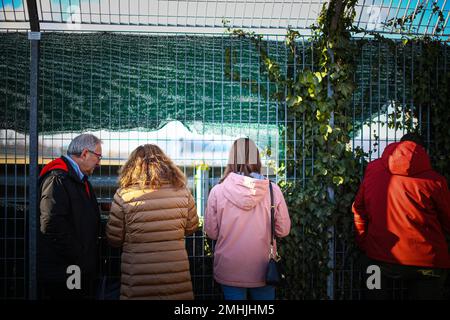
x=421, y=283
x=238, y=293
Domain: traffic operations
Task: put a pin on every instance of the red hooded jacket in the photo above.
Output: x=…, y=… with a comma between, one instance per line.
x=60, y=164
x=69, y=224
x=402, y=209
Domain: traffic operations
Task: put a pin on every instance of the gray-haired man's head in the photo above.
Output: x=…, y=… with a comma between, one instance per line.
x=86, y=151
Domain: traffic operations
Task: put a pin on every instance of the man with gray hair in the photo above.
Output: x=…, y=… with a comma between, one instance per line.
x=69, y=222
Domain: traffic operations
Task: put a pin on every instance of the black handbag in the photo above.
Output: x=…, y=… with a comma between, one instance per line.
x=275, y=274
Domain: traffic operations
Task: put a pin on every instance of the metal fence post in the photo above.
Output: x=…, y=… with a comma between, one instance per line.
x=201, y=187
x=33, y=145
x=331, y=262
x=35, y=37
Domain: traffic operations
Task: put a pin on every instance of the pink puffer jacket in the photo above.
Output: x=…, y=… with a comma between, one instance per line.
x=238, y=217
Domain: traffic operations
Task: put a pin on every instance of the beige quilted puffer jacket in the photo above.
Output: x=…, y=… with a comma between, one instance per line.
x=150, y=225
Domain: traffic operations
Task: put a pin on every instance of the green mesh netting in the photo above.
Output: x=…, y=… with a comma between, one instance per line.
x=121, y=81
x=116, y=81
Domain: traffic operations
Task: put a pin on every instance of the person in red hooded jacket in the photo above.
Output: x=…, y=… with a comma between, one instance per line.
x=401, y=214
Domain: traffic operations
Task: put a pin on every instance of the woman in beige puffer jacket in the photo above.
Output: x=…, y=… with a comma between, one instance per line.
x=151, y=214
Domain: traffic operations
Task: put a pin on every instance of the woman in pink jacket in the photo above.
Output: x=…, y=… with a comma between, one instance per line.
x=238, y=217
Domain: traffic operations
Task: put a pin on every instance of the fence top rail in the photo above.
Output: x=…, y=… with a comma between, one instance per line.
x=212, y=16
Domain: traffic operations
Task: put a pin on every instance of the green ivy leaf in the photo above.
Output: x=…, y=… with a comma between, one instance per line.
x=320, y=75
x=338, y=180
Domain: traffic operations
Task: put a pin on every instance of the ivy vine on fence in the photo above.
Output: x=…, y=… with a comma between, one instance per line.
x=322, y=200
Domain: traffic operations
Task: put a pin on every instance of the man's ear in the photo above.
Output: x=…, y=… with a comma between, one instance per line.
x=83, y=154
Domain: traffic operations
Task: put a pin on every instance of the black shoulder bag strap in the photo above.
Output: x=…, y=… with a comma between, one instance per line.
x=272, y=223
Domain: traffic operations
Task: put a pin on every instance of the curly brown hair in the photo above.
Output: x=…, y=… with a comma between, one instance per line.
x=149, y=166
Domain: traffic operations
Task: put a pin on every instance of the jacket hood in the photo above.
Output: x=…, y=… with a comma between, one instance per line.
x=406, y=158
x=54, y=165
x=245, y=192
